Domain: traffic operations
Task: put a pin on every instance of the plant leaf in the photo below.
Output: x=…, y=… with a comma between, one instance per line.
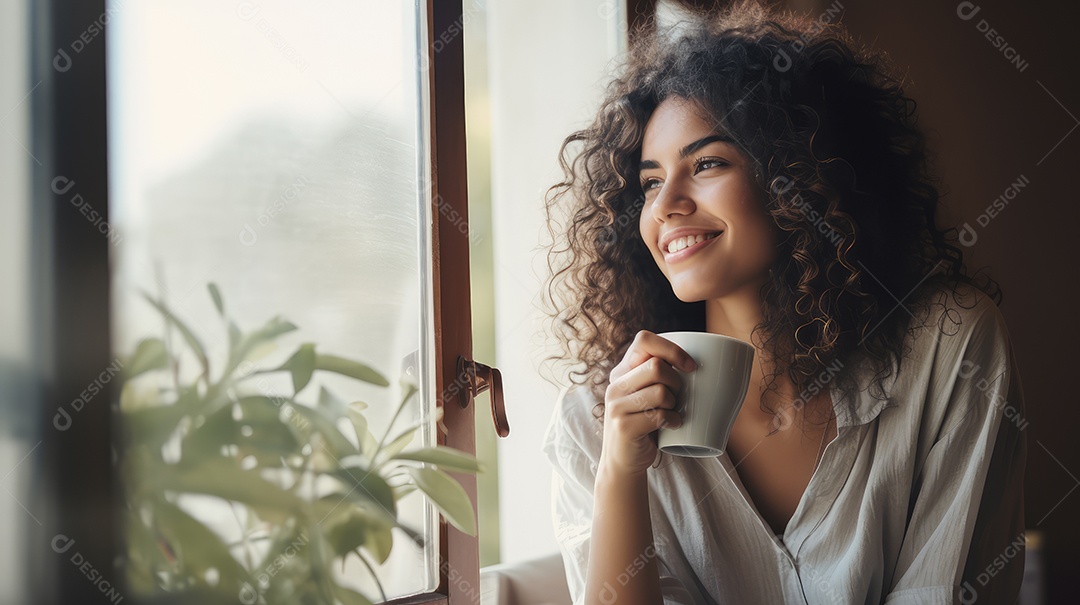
x=185, y=331
x=253, y=424
x=267, y=439
x=259, y=409
x=394, y=447
x=352, y=369
x=273, y=328
x=235, y=335
x=447, y=495
x=150, y=354
x=217, y=429
x=359, y=527
x=410, y=389
x=379, y=543
x=143, y=555
x=337, y=443
x=216, y=295
x=446, y=458
x=301, y=365
x=286, y=535
x=348, y=534
x=221, y=477
x=152, y=426
x=332, y=510
x=198, y=548
x=320, y=555
x=369, y=487
x=367, y=441
x=331, y=405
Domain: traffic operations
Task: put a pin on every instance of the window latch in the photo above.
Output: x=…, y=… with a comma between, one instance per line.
x=479, y=378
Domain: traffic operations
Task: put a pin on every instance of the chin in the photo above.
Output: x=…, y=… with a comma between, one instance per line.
x=690, y=293
x=693, y=287
x=689, y=299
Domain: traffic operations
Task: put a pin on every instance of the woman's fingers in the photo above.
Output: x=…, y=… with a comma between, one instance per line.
x=653, y=373
x=640, y=399
x=644, y=410
x=651, y=397
x=646, y=345
x=646, y=421
x=650, y=359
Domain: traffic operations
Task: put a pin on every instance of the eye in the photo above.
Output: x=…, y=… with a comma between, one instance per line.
x=705, y=163
x=647, y=184
x=699, y=165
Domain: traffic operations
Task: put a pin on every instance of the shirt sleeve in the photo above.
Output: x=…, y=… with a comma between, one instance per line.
x=964, y=542
x=572, y=480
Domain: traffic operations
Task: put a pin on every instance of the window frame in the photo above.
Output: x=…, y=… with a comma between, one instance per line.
x=459, y=553
x=71, y=303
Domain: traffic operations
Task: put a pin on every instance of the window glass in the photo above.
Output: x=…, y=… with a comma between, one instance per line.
x=277, y=150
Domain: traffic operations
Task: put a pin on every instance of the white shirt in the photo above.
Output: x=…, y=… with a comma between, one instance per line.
x=918, y=499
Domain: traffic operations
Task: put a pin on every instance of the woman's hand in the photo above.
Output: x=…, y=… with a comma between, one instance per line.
x=640, y=399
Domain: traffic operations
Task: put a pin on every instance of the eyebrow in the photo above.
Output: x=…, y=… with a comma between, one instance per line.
x=692, y=147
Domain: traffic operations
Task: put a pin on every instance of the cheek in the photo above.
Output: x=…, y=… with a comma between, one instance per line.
x=753, y=208
x=647, y=230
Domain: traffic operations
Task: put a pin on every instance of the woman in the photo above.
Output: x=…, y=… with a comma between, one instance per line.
x=758, y=176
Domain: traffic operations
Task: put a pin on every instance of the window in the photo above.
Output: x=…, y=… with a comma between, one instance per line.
x=287, y=155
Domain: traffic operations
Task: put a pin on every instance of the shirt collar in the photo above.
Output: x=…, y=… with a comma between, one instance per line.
x=856, y=407
x=862, y=410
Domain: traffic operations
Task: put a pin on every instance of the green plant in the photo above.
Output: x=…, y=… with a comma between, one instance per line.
x=304, y=495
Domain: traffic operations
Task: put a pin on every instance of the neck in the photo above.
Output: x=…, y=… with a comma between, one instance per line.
x=736, y=314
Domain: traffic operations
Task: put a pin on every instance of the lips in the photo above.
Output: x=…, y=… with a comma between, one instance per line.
x=671, y=235
x=672, y=257
x=689, y=241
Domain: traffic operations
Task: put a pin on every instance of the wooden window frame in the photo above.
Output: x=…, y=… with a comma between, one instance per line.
x=80, y=493
x=459, y=553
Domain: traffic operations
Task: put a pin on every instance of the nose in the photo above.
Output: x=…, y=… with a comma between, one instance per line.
x=672, y=199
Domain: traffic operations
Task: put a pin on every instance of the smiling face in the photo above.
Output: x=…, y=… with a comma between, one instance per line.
x=708, y=190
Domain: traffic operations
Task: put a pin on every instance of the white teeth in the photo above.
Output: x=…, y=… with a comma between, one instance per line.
x=685, y=242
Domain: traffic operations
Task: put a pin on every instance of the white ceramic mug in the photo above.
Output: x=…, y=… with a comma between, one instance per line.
x=712, y=395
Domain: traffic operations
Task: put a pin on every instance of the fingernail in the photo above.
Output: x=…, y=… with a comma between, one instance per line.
x=690, y=365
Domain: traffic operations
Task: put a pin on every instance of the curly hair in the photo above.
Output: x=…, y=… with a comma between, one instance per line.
x=834, y=145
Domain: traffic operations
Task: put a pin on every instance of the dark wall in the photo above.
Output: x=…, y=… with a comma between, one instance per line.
x=994, y=123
